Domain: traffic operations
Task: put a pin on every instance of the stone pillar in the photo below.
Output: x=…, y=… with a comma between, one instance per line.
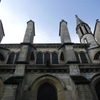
x=9, y=92
x=25, y=53
x=66, y=41
x=30, y=32
x=64, y=33
x=70, y=54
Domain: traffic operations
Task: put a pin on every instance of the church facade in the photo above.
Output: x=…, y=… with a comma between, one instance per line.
x=52, y=71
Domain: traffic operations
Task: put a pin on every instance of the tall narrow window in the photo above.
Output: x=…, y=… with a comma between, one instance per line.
x=54, y=58
x=77, y=57
x=47, y=92
x=47, y=58
x=2, y=57
x=11, y=58
x=97, y=88
x=83, y=58
x=39, y=59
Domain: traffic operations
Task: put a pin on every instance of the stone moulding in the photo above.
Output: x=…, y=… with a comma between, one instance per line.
x=46, y=75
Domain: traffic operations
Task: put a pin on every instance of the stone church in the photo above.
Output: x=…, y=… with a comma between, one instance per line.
x=52, y=71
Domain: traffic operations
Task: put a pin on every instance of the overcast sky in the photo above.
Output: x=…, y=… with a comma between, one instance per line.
x=46, y=14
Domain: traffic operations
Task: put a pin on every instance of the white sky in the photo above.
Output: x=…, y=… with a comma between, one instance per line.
x=46, y=14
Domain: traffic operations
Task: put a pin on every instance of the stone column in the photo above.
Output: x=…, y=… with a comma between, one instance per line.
x=64, y=33
x=30, y=32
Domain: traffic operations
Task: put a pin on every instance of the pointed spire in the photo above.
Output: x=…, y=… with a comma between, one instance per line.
x=78, y=20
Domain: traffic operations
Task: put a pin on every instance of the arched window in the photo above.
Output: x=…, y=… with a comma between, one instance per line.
x=97, y=56
x=77, y=57
x=2, y=57
x=47, y=92
x=97, y=88
x=11, y=58
x=47, y=58
x=83, y=58
x=54, y=58
x=39, y=59
x=62, y=56
x=17, y=55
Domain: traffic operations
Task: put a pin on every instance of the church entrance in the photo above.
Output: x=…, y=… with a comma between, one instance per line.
x=47, y=92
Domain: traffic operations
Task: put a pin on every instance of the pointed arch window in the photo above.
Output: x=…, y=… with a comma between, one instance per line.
x=54, y=58
x=47, y=92
x=17, y=55
x=11, y=58
x=62, y=56
x=47, y=58
x=83, y=58
x=39, y=59
x=97, y=88
x=2, y=57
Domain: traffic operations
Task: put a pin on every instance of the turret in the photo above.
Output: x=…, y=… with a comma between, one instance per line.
x=64, y=33
x=67, y=46
x=1, y=31
x=27, y=48
x=30, y=32
x=84, y=32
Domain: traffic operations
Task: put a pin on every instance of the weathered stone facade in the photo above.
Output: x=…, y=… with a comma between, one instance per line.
x=51, y=71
